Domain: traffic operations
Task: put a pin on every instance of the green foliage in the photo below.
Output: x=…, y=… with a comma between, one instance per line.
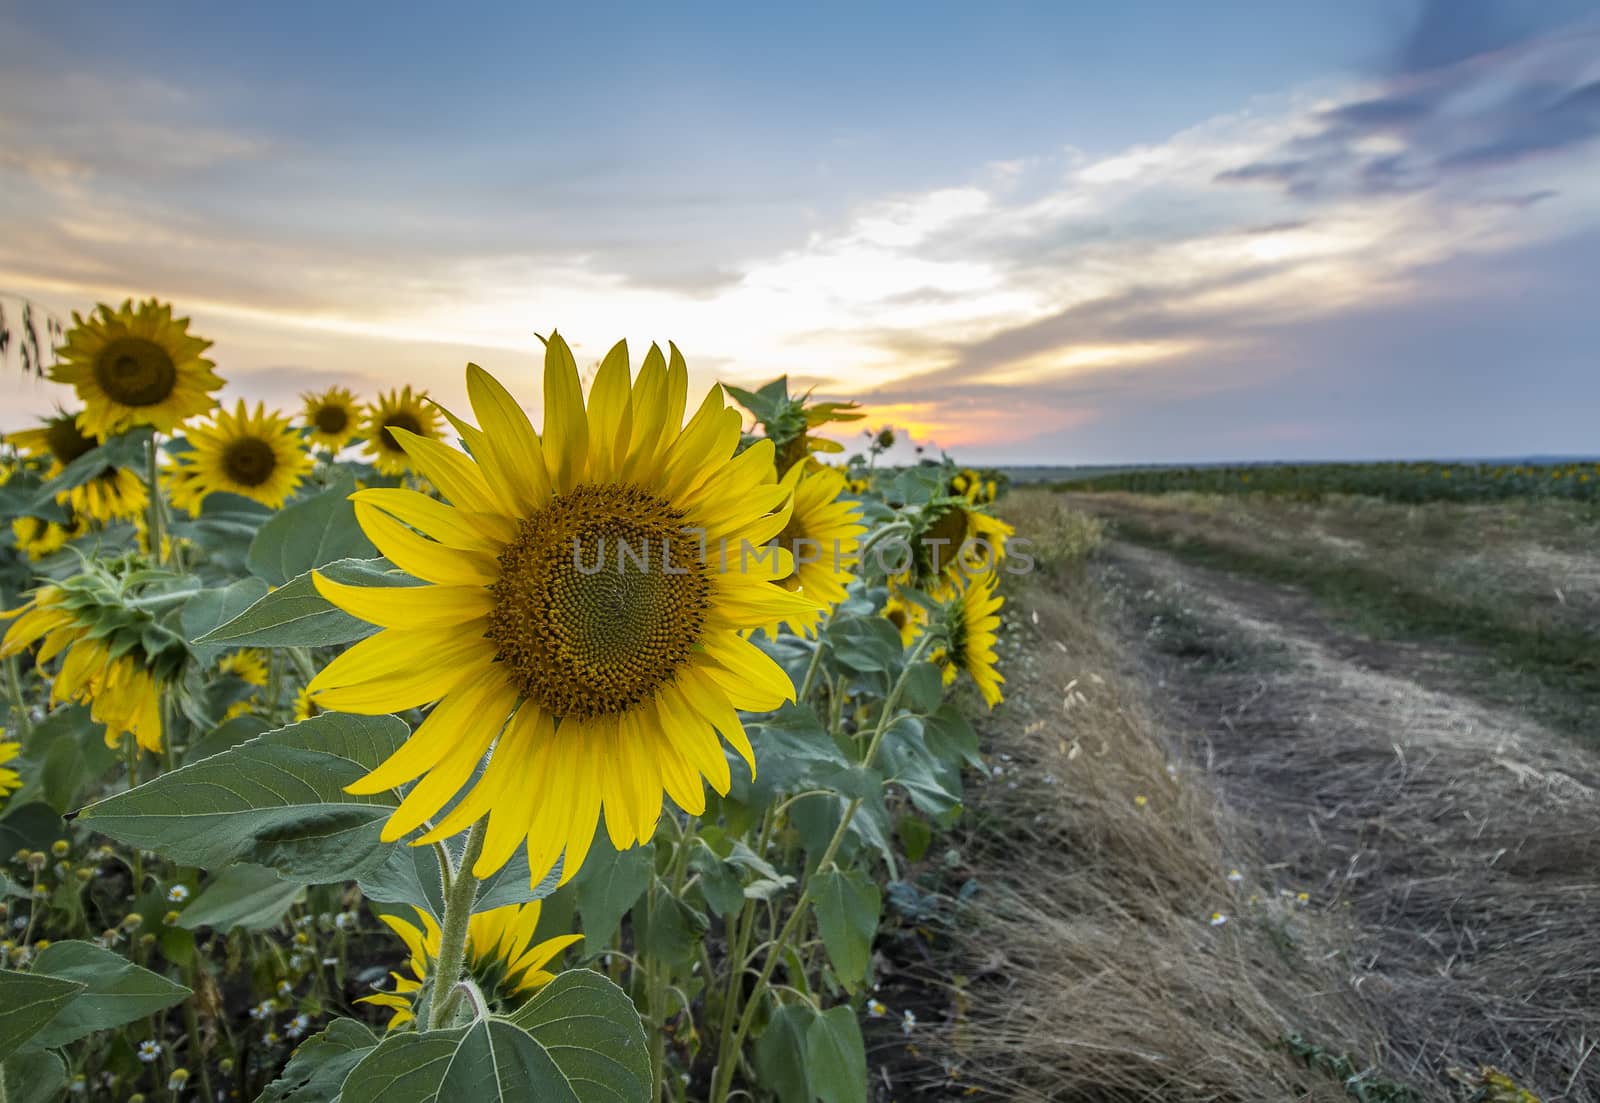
x=277, y=800
x=295, y=615
x=312, y=533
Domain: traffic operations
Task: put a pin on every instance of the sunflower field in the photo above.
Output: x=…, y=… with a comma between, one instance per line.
x=377, y=750
x=1394, y=482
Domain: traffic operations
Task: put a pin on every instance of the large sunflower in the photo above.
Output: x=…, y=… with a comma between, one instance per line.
x=971, y=618
x=259, y=456
x=333, y=417
x=135, y=366
x=398, y=410
x=501, y=958
x=610, y=674
x=113, y=671
x=824, y=535
x=115, y=494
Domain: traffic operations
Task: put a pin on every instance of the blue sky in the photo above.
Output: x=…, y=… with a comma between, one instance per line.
x=1025, y=232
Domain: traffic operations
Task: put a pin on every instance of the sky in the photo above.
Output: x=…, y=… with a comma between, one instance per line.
x=1020, y=232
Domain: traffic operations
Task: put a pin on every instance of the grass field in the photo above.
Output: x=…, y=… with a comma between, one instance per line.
x=1298, y=800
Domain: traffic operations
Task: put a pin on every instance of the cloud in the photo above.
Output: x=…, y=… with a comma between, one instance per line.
x=1465, y=95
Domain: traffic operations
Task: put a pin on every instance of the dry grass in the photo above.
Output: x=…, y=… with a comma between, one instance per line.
x=1059, y=536
x=1098, y=973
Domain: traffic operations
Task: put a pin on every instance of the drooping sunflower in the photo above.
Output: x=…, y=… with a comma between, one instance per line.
x=589, y=589
x=501, y=959
x=398, y=410
x=787, y=420
x=247, y=664
x=10, y=780
x=115, y=494
x=333, y=416
x=824, y=536
x=114, y=657
x=135, y=366
x=955, y=539
x=257, y=455
x=970, y=621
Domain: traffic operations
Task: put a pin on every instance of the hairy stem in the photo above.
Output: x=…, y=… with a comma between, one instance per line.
x=458, y=903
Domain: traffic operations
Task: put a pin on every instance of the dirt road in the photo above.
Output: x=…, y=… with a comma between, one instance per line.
x=1461, y=840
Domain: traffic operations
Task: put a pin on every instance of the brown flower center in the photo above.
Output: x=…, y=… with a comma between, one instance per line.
x=135, y=371
x=249, y=461
x=401, y=419
x=332, y=419
x=602, y=599
x=64, y=440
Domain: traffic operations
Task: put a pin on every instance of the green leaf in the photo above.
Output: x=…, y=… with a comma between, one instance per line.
x=34, y=825
x=934, y=786
x=68, y=752
x=579, y=1040
x=847, y=906
x=720, y=881
x=837, y=1057
x=28, y=1001
x=924, y=688
x=116, y=991
x=792, y=750
x=608, y=885
x=248, y=896
x=227, y=735
x=950, y=739
x=210, y=609
x=865, y=645
x=295, y=615
x=915, y=836
x=781, y=1054
x=318, y=1068
x=592, y=1031
x=38, y=1077
x=277, y=800
x=312, y=533
x=670, y=932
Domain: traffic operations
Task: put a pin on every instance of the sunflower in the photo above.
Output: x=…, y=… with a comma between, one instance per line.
x=304, y=707
x=247, y=664
x=788, y=419
x=970, y=618
x=398, y=410
x=824, y=535
x=956, y=539
x=590, y=585
x=10, y=780
x=182, y=485
x=259, y=456
x=114, y=494
x=247, y=707
x=333, y=417
x=38, y=538
x=115, y=658
x=501, y=958
x=908, y=617
x=135, y=366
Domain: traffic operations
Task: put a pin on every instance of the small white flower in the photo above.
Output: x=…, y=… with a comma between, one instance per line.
x=1217, y=919
x=149, y=1052
x=298, y=1026
x=1235, y=876
x=285, y=988
x=177, y=894
x=263, y=1010
x=271, y=1038
x=344, y=920
x=876, y=1009
x=998, y=771
x=908, y=1021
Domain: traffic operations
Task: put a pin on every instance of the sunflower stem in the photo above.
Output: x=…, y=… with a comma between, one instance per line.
x=453, y=930
x=155, y=526
x=728, y=1053
x=19, y=704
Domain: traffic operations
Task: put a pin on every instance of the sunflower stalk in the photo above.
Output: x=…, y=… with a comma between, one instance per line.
x=731, y=1046
x=157, y=523
x=458, y=901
